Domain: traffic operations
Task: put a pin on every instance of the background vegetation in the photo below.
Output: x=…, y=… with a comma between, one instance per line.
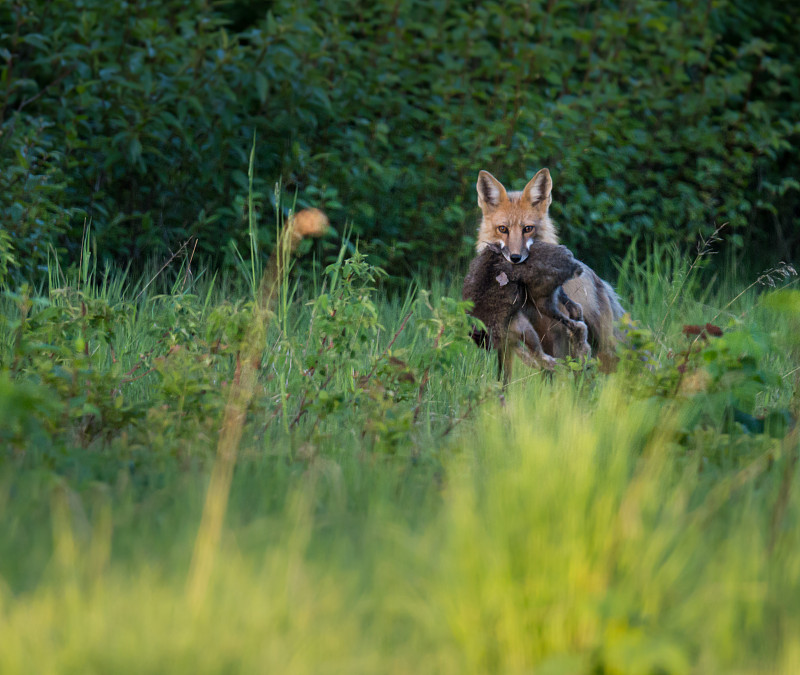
x=658, y=119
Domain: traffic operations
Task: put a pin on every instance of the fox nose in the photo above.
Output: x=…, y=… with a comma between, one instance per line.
x=515, y=257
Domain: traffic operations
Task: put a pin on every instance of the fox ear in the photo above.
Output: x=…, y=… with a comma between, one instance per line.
x=491, y=192
x=539, y=189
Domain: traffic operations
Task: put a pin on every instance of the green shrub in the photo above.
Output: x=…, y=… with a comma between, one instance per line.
x=658, y=119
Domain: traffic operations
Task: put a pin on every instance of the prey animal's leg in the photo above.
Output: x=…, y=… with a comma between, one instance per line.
x=522, y=334
x=574, y=310
x=579, y=341
x=578, y=332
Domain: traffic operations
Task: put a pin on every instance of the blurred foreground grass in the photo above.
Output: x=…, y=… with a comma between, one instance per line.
x=386, y=513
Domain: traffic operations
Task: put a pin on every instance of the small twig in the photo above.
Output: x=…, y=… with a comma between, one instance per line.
x=163, y=267
x=683, y=366
x=83, y=239
x=189, y=266
x=128, y=380
x=454, y=423
x=703, y=249
x=531, y=373
x=301, y=410
x=766, y=278
x=142, y=357
x=794, y=370
x=30, y=100
x=275, y=413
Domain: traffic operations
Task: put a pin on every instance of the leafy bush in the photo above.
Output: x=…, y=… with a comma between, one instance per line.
x=659, y=119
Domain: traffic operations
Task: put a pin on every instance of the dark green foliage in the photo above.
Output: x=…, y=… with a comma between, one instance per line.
x=724, y=374
x=656, y=118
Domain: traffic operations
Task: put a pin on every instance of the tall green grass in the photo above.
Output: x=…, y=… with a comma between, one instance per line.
x=588, y=524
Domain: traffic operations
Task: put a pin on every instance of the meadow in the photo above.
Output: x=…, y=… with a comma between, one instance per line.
x=194, y=479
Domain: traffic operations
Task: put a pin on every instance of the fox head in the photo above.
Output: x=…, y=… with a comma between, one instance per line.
x=514, y=220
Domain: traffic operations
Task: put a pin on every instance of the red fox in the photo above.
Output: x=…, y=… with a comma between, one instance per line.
x=512, y=221
x=499, y=289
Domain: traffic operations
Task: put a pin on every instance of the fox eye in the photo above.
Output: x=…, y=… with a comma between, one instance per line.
x=502, y=229
x=527, y=229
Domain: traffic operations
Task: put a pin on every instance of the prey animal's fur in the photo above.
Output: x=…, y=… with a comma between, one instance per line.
x=505, y=295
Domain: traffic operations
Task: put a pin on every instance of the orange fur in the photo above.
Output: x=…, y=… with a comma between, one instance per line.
x=515, y=211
